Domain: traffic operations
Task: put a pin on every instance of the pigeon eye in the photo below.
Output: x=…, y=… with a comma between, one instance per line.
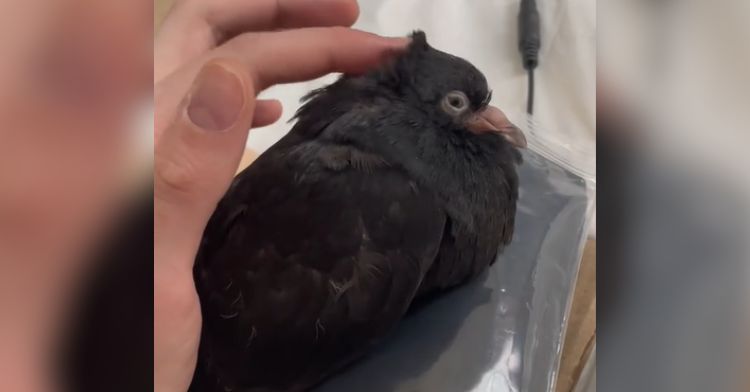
x=455, y=103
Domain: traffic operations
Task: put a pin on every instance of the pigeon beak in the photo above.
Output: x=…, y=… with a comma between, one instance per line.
x=493, y=119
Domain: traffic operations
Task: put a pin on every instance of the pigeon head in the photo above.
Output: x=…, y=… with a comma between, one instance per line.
x=423, y=103
x=449, y=89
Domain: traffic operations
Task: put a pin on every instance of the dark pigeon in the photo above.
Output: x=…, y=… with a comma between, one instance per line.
x=392, y=187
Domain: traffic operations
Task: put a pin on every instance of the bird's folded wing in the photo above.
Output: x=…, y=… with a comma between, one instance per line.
x=308, y=262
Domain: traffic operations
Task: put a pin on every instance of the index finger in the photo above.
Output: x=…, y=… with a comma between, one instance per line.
x=282, y=57
x=193, y=28
x=240, y=15
x=304, y=54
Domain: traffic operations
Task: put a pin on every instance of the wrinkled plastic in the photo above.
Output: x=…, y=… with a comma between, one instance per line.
x=503, y=331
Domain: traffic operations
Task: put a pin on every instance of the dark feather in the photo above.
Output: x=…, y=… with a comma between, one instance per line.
x=375, y=199
x=287, y=300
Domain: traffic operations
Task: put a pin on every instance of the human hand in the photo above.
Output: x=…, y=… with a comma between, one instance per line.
x=212, y=59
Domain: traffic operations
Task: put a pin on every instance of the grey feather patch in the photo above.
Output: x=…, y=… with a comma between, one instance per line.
x=339, y=158
x=340, y=288
x=229, y=316
x=319, y=329
x=253, y=335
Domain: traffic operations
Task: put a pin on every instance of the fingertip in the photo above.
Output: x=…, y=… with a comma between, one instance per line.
x=399, y=42
x=349, y=11
x=324, y=50
x=387, y=44
x=272, y=103
x=267, y=112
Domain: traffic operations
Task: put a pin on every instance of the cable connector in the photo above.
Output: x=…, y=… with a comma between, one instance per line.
x=529, y=41
x=529, y=35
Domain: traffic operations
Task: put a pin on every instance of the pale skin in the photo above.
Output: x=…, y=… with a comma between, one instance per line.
x=225, y=52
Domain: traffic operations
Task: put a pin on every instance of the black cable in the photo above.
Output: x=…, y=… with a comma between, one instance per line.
x=529, y=41
x=530, y=101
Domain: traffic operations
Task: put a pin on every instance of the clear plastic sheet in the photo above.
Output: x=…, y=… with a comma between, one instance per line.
x=504, y=331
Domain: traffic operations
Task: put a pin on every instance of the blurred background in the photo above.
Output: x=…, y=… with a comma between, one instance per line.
x=673, y=92
x=75, y=77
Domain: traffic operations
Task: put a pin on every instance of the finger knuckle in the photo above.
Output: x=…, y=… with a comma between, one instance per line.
x=174, y=177
x=243, y=41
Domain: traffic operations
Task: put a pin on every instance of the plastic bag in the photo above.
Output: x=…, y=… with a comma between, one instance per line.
x=503, y=331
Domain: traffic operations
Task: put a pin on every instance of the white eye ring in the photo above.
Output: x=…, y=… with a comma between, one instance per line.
x=455, y=103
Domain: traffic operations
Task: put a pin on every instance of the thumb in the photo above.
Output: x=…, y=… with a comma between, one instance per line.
x=196, y=156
